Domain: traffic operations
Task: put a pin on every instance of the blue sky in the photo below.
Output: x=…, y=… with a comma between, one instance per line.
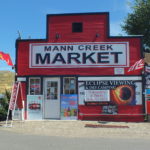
x=29, y=18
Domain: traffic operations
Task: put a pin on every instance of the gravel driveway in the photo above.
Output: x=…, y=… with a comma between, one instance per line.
x=78, y=129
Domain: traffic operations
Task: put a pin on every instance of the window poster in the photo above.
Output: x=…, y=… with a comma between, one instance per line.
x=147, y=84
x=69, y=107
x=35, y=86
x=34, y=107
x=116, y=92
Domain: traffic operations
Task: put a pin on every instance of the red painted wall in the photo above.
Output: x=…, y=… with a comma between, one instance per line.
x=125, y=113
x=92, y=24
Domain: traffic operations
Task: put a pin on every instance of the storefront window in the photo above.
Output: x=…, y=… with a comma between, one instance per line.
x=69, y=85
x=34, y=86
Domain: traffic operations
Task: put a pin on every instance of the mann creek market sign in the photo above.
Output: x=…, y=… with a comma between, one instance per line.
x=74, y=55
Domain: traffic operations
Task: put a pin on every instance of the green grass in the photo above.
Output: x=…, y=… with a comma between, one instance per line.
x=6, y=80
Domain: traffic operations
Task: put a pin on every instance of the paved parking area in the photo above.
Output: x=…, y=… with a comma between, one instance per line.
x=17, y=141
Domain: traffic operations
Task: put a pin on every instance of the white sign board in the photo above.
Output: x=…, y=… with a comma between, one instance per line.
x=75, y=55
x=118, y=71
x=34, y=107
x=97, y=96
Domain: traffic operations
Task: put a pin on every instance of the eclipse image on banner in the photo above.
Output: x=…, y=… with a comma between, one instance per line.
x=123, y=95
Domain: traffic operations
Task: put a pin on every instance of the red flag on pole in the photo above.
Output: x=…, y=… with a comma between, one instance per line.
x=137, y=66
x=7, y=58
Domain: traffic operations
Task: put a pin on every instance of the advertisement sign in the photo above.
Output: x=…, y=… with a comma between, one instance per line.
x=122, y=92
x=109, y=109
x=69, y=107
x=147, y=69
x=118, y=71
x=14, y=95
x=75, y=55
x=147, y=83
x=34, y=107
x=97, y=95
x=107, y=84
x=147, y=91
x=147, y=99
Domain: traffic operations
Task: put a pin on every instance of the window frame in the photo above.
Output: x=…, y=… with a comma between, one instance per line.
x=29, y=82
x=69, y=89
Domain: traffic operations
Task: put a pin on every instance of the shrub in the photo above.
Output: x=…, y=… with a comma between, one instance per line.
x=4, y=102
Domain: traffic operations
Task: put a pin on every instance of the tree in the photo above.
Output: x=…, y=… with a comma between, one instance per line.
x=4, y=101
x=138, y=21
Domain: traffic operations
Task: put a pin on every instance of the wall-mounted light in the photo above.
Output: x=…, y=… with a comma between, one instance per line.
x=97, y=35
x=57, y=36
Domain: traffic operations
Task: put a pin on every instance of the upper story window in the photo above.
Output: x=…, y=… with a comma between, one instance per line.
x=77, y=27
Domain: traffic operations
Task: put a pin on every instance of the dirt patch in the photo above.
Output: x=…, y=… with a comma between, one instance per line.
x=104, y=126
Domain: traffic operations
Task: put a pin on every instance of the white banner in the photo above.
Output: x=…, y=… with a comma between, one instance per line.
x=75, y=55
x=35, y=107
x=97, y=95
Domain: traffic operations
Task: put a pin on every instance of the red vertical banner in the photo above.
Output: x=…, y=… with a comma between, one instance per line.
x=14, y=95
x=148, y=107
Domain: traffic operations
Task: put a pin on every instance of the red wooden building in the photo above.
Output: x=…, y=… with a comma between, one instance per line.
x=80, y=72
